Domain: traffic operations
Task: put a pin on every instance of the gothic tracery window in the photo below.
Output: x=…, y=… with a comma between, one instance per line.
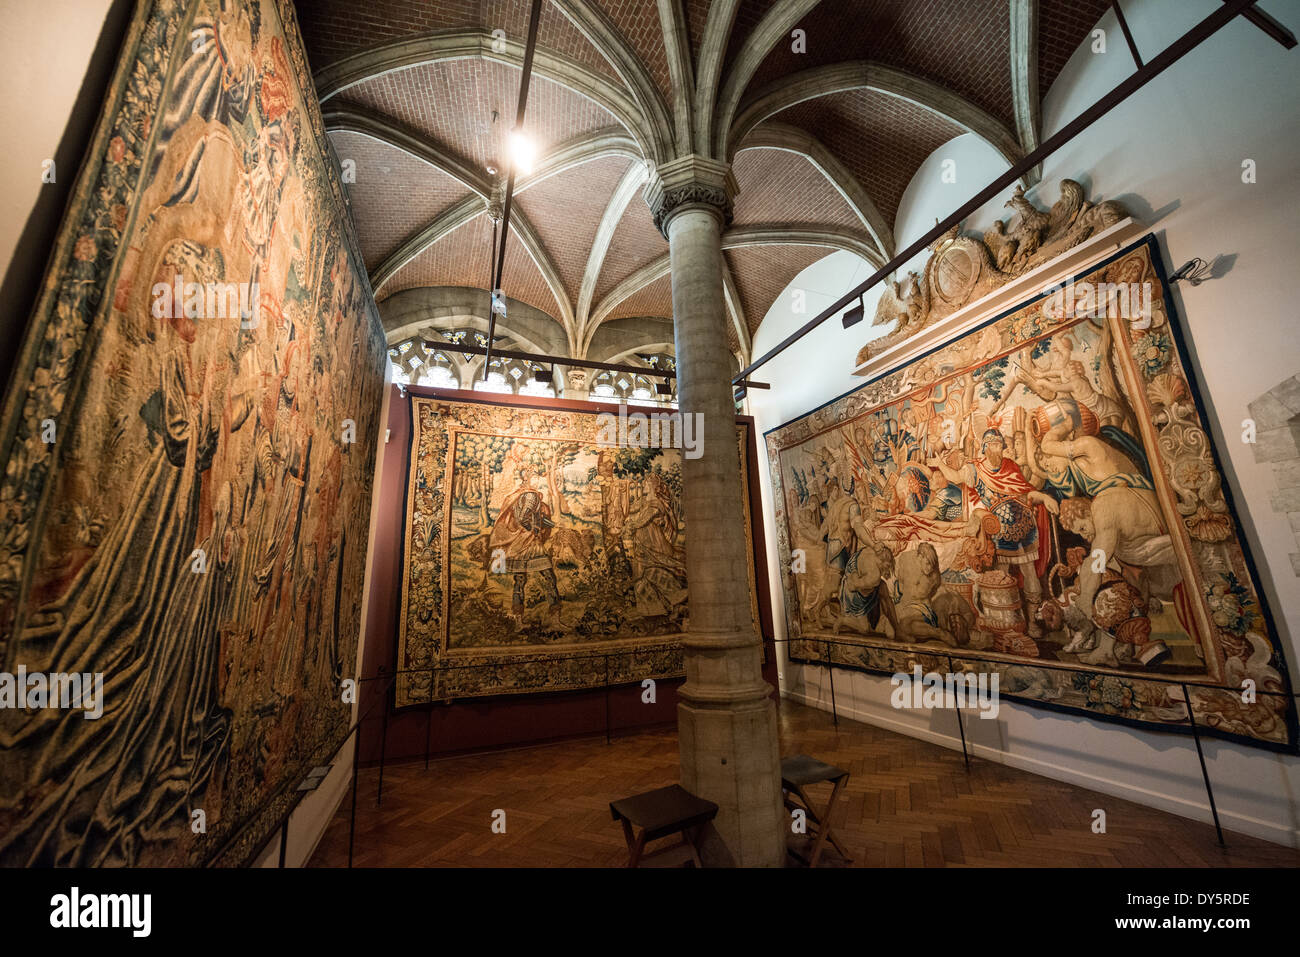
x=415, y=363
x=638, y=387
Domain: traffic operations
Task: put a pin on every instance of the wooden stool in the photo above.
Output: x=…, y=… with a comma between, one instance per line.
x=799, y=771
x=670, y=810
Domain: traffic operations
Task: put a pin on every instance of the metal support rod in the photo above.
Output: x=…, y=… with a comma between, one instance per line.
x=1128, y=34
x=608, y=739
x=961, y=727
x=492, y=267
x=352, y=816
x=428, y=724
x=383, y=750
x=830, y=677
x=534, y=16
x=1126, y=88
x=1200, y=754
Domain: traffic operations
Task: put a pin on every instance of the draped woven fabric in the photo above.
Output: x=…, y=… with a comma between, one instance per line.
x=186, y=494
x=1041, y=498
x=537, y=558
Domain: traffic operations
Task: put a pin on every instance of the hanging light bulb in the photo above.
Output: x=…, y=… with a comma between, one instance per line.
x=522, y=152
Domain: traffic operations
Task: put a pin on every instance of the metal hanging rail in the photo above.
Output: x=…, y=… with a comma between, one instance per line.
x=1270, y=26
x=1140, y=78
x=649, y=371
x=533, y=17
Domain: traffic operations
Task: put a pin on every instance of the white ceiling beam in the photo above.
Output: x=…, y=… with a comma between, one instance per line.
x=736, y=312
x=624, y=193
x=677, y=45
x=713, y=50
x=867, y=75
x=775, y=27
x=597, y=27
x=1024, y=76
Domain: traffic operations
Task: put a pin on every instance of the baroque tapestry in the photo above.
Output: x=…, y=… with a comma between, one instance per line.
x=185, y=502
x=1039, y=497
x=536, y=557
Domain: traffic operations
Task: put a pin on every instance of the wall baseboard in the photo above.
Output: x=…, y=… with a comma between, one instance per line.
x=306, y=818
x=334, y=805
x=1194, y=810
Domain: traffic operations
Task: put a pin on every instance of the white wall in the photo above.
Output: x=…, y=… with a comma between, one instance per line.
x=1172, y=152
x=45, y=52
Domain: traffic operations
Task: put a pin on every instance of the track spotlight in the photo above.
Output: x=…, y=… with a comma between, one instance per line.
x=1195, y=271
x=855, y=315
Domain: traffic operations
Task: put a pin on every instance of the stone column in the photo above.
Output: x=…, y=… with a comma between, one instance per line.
x=726, y=717
x=575, y=384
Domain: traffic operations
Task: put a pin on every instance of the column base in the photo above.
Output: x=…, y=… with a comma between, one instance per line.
x=729, y=756
x=726, y=721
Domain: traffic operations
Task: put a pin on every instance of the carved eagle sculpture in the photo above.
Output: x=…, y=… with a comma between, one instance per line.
x=902, y=304
x=1012, y=251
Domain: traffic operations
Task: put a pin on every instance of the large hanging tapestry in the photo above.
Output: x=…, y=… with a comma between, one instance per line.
x=1038, y=498
x=537, y=556
x=185, y=498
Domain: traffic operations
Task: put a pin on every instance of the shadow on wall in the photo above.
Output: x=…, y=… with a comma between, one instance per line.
x=22, y=277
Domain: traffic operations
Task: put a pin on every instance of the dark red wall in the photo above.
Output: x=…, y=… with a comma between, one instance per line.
x=477, y=723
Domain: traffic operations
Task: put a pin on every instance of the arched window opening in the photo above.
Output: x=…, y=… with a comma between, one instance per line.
x=415, y=363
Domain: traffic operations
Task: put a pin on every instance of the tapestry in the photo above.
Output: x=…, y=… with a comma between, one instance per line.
x=1038, y=498
x=188, y=448
x=539, y=554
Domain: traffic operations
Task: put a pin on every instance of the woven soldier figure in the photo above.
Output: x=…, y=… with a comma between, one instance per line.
x=522, y=529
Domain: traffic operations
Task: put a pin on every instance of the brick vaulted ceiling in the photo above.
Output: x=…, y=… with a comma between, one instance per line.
x=419, y=96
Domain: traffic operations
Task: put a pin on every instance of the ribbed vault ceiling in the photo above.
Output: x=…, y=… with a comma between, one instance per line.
x=420, y=97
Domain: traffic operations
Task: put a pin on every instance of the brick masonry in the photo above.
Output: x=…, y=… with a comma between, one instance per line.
x=777, y=186
x=566, y=209
x=334, y=29
x=881, y=140
x=636, y=242
x=964, y=46
x=451, y=103
x=1062, y=26
x=762, y=272
x=656, y=299
x=397, y=195
x=638, y=22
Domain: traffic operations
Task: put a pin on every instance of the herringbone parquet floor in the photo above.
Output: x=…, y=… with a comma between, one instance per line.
x=908, y=804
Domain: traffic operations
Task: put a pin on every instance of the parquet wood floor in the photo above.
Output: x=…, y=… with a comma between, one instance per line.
x=908, y=804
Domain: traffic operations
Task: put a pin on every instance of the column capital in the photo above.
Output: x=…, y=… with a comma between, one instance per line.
x=690, y=181
x=576, y=384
